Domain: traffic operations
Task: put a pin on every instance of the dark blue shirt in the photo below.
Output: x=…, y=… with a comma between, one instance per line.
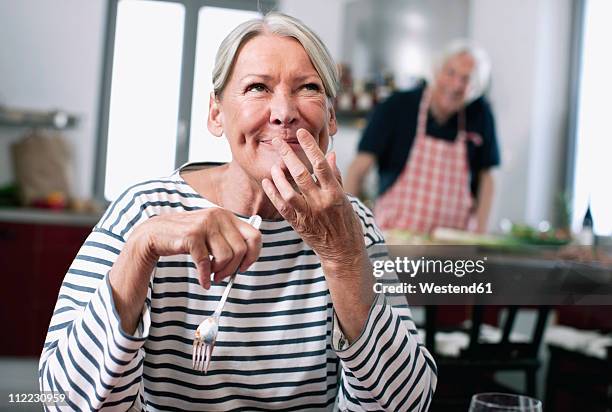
x=392, y=127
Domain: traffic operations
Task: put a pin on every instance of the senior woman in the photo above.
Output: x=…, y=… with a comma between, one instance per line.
x=302, y=328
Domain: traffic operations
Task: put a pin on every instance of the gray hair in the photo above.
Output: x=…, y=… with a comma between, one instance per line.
x=481, y=75
x=281, y=25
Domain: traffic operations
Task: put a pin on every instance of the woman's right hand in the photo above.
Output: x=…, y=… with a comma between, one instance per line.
x=233, y=243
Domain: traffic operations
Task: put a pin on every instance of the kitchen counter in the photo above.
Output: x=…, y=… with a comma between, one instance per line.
x=48, y=217
x=507, y=276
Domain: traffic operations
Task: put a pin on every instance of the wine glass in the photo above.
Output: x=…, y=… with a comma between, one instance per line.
x=504, y=402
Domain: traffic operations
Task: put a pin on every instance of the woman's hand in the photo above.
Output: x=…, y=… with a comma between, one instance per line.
x=323, y=216
x=318, y=210
x=234, y=244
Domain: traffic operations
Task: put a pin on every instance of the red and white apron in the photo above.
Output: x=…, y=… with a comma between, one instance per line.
x=433, y=188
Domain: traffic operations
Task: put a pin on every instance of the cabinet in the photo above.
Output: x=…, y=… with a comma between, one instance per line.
x=34, y=258
x=578, y=382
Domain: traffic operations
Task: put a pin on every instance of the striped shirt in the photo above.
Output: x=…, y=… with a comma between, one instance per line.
x=279, y=345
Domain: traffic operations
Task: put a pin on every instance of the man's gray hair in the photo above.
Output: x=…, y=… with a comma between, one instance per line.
x=481, y=75
x=281, y=25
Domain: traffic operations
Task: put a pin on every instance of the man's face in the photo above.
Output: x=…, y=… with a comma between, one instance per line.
x=451, y=83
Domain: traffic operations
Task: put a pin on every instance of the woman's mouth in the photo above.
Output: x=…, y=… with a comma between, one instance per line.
x=292, y=141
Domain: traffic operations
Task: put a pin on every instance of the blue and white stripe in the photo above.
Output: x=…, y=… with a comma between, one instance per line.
x=278, y=343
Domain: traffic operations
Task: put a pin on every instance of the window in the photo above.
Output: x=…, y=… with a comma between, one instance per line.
x=157, y=82
x=213, y=24
x=593, y=139
x=144, y=92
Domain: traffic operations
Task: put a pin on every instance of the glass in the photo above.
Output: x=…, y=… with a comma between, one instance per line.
x=504, y=402
x=144, y=103
x=214, y=24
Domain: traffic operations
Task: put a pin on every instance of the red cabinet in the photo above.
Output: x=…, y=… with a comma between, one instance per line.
x=34, y=259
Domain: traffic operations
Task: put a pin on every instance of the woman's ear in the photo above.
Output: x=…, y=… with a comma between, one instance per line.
x=215, y=117
x=332, y=125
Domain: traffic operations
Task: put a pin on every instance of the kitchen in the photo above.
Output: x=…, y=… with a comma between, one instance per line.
x=56, y=57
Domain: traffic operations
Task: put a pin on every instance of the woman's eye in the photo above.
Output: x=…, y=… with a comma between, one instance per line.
x=312, y=87
x=256, y=87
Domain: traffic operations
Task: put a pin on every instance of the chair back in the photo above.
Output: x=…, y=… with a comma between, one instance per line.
x=505, y=349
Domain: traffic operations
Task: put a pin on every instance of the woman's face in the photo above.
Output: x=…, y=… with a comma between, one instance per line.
x=273, y=91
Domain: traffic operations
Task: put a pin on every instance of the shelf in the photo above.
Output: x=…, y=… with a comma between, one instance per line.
x=356, y=118
x=55, y=119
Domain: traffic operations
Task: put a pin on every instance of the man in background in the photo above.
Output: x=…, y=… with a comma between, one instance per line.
x=434, y=147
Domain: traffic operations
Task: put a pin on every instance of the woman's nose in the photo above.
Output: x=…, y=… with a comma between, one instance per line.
x=283, y=110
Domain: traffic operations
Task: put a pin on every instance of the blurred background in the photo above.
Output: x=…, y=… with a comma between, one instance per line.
x=97, y=95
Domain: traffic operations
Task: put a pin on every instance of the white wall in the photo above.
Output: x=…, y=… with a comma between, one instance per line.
x=325, y=17
x=51, y=57
x=529, y=43
x=551, y=106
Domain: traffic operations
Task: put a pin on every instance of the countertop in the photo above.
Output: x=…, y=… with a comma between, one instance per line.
x=48, y=217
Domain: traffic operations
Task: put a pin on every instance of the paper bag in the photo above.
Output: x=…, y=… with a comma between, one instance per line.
x=43, y=166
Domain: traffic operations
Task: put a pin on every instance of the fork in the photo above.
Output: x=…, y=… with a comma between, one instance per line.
x=206, y=333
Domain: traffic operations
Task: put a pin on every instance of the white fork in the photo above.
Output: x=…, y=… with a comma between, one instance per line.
x=206, y=333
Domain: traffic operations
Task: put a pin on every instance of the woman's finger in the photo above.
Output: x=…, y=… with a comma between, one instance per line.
x=320, y=167
x=286, y=191
x=277, y=200
x=331, y=159
x=252, y=238
x=201, y=257
x=221, y=251
x=296, y=168
x=239, y=249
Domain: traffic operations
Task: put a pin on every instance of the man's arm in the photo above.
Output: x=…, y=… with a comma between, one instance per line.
x=484, y=199
x=357, y=171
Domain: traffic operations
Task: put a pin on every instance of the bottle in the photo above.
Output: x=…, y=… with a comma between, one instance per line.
x=586, y=236
x=363, y=99
x=345, y=96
